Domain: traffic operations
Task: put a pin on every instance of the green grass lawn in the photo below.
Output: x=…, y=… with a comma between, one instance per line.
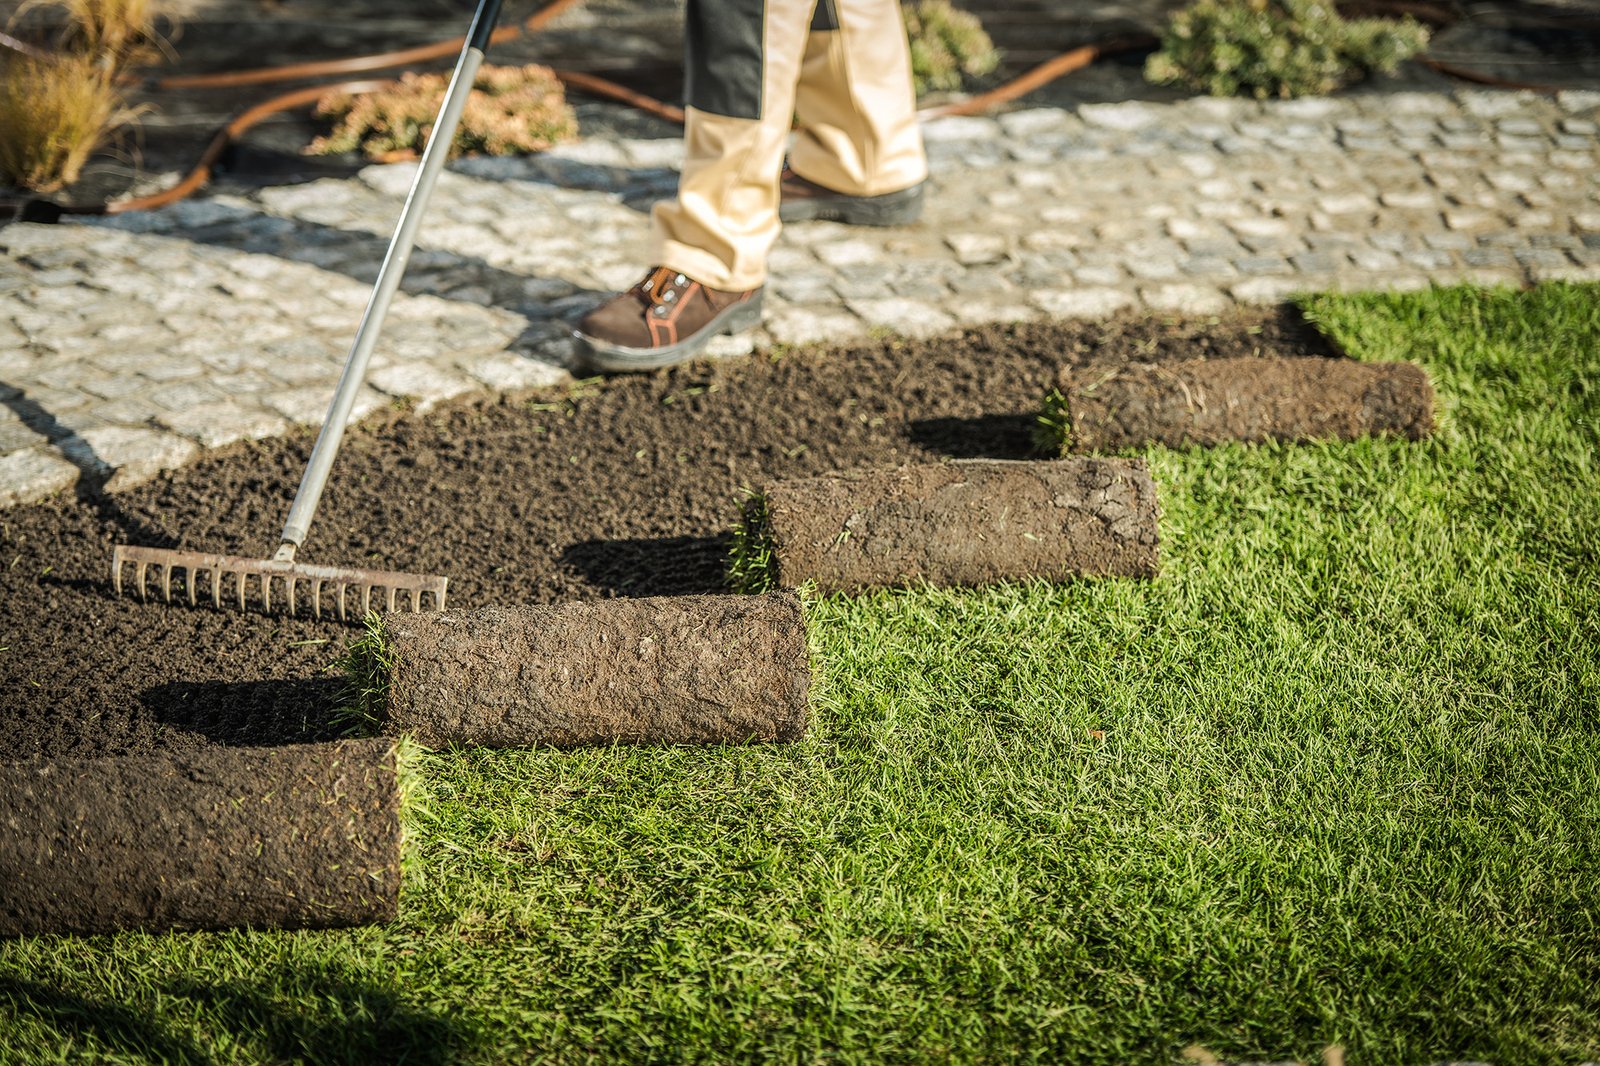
x=1333, y=778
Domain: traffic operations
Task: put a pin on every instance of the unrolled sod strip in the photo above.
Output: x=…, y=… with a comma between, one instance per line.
x=295, y=837
x=664, y=670
x=969, y=522
x=1209, y=401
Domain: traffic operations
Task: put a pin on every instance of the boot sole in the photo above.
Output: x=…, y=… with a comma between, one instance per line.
x=618, y=358
x=891, y=209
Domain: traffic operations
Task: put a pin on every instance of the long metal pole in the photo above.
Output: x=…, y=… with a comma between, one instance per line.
x=394, y=267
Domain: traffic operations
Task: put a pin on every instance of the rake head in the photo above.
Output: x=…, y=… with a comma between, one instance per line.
x=243, y=582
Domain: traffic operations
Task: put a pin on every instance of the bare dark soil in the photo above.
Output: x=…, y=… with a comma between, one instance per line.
x=625, y=488
x=652, y=670
x=196, y=840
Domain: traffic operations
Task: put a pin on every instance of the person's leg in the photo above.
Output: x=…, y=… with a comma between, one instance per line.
x=710, y=243
x=743, y=63
x=855, y=105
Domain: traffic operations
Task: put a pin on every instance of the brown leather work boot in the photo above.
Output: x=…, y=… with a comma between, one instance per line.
x=666, y=318
x=801, y=200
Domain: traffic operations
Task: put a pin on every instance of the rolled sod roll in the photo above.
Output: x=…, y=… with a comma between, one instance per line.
x=968, y=522
x=660, y=670
x=1208, y=401
x=296, y=837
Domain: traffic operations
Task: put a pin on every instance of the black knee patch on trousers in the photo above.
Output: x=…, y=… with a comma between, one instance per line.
x=824, y=19
x=722, y=56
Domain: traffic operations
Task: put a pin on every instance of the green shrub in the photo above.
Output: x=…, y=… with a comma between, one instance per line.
x=1282, y=48
x=752, y=566
x=947, y=46
x=511, y=110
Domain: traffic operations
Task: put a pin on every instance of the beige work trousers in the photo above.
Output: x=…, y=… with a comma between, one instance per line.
x=846, y=93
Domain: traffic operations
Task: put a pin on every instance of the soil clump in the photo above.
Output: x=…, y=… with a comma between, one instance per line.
x=622, y=488
x=968, y=522
x=654, y=670
x=1209, y=401
x=306, y=836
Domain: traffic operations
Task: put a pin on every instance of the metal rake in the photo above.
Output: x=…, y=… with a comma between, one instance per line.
x=190, y=570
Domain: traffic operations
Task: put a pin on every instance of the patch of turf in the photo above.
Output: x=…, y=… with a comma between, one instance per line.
x=366, y=665
x=1333, y=778
x=1052, y=426
x=752, y=563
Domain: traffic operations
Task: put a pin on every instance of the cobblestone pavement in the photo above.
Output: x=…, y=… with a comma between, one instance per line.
x=128, y=345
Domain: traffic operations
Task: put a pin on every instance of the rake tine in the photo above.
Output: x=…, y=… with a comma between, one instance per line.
x=289, y=584
x=316, y=598
x=238, y=586
x=166, y=583
x=116, y=573
x=216, y=587
x=416, y=601
x=366, y=600
x=342, y=617
x=391, y=599
x=138, y=573
x=191, y=581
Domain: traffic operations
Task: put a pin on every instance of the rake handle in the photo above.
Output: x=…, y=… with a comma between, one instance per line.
x=393, y=269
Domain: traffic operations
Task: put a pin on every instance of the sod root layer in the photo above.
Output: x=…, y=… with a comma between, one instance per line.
x=968, y=522
x=287, y=838
x=625, y=489
x=654, y=670
x=1209, y=401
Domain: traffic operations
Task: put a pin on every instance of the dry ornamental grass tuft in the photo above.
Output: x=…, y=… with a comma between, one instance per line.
x=53, y=115
x=511, y=110
x=54, y=112
x=121, y=30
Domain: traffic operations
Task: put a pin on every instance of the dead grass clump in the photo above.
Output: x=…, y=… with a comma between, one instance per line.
x=53, y=115
x=511, y=110
x=116, y=30
x=57, y=107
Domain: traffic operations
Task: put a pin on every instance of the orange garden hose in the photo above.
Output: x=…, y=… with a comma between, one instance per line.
x=1039, y=76
x=200, y=173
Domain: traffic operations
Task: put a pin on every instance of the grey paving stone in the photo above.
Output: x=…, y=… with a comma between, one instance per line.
x=259, y=294
x=1185, y=299
x=1086, y=302
x=812, y=324
x=1262, y=264
x=32, y=474
x=136, y=455
x=15, y=435
x=508, y=371
x=911, y=318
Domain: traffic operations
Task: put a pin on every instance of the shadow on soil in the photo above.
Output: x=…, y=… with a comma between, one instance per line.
x=990, y=436
x=250, y=713
x=304, y=1015
x=665, y=566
